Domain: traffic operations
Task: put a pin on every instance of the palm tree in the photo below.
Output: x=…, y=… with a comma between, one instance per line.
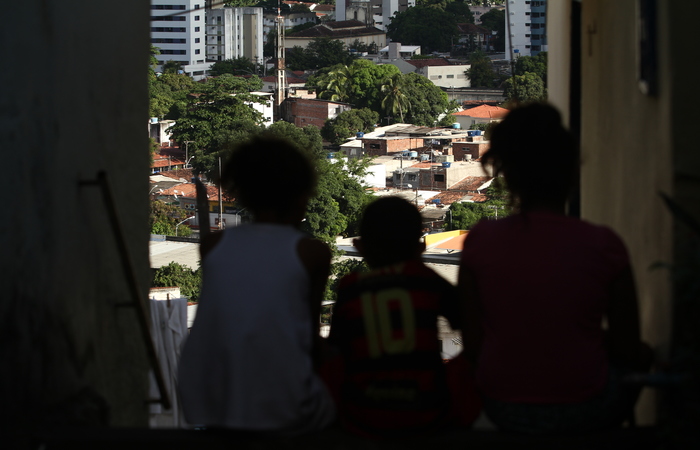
x=337, y=85
x=395, y=100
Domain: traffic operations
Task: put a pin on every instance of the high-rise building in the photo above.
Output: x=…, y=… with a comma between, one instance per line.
x=235, y=32
x=379, y=11
x=526, y=23
x=178, y=30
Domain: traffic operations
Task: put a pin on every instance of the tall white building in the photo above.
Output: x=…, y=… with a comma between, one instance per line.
x=380, y=10
x=178, y=30
x=526, y=23
x=235, y=32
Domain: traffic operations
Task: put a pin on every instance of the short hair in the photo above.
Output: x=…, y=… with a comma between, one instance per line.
x=263, y=172
x=391, y=225
x=534, y=152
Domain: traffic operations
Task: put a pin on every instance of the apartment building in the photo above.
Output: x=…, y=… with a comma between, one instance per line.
x=528, y=32
x=233, y=33
x=372, y=12
x=178, y=30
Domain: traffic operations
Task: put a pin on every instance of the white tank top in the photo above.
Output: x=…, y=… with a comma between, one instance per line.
x=247, y=362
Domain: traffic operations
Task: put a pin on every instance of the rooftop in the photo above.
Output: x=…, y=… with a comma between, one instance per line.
x=484, y=112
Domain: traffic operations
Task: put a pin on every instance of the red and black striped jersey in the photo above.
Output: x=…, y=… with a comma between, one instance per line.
x=385, y=326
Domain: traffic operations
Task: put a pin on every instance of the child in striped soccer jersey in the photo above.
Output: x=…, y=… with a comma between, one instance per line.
x=385, y=327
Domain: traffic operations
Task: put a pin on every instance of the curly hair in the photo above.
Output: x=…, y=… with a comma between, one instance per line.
x=261, y=172
x=536, y=155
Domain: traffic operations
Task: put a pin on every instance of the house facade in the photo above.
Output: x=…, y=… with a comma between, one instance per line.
x=305, y=111
x=347, y=31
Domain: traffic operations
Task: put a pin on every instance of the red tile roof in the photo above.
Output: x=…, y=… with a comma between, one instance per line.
x=188, y=190
x=484, y=112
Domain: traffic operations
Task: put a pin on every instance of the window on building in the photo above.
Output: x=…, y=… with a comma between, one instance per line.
x=527, y=46
x=196, y=51
x=527, y=24
x=527, y=35
x=527, y=13
x=173, y=52
x=196, y=40
x=374, y=146
x=167, y=6
x=168, y=18
x=196, y=29
x=439, y=177
x=168, y=29
x=450, y=76
x=410, y=177
x=196, y=18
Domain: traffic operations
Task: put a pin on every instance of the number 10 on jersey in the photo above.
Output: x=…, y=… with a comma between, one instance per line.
x=384, y=336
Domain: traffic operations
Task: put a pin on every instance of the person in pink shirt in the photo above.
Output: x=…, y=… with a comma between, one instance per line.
x=538, y=287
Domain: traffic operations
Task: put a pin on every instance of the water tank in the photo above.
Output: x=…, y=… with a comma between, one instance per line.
x=471, y=132
x=477, y=132
x=360, y=135
x=154, y=120
x=424, y=157
x=330, y=155
x=446, y=164
x=413, y=154
x=456, y=126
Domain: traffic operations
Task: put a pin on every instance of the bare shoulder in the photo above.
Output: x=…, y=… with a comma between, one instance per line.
x=313, y=253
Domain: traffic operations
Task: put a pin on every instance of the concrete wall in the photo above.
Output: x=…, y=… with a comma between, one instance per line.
x=635, y=145
x=69, y=354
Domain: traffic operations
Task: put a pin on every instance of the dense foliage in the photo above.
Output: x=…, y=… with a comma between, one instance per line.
x=464, y=215
x=320, y=52
x=429, y=26
x=525, y=88
x=236, y=66
x=176, y=275
x=164, y=218
x=347, y=124
x=480, y=72
x=495, y=20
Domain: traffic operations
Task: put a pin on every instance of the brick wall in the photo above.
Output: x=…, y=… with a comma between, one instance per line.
x=381, y=147
x=475, y=149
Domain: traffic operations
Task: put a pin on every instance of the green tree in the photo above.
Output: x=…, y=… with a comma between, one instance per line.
x=395, y=98
x=432, y=28
x=299, y=8
x=176, y=275
x=480, y=72
x=428, y=103
x=460, y=10
x=464, y=215
x=172, y=66
x=216, y=117
x=533, y=64
x=525, y=88
x=236, y=66
x=320, y=52
x=348, y=123
x=336, y=86
x=495, y=20
x=164, y=218
x=363, y=82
